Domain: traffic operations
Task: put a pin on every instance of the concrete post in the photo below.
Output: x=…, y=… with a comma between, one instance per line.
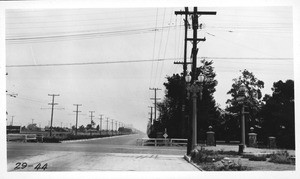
x=252, y=140
x=210, y=138
x=272, y=142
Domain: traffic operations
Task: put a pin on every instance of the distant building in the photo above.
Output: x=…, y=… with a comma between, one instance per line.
x=13, y=129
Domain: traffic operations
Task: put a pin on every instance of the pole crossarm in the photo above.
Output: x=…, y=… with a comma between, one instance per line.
x=198, y=39
x=198, y=13
x=182, y=63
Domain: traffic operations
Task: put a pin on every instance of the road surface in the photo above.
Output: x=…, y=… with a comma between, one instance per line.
x=107, y=154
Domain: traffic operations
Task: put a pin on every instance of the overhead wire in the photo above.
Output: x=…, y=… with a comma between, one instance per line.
x=55, y=38
x=141, y=61
x=159, y=49
x=164, y=55
x=154, y=45
x=236, y=43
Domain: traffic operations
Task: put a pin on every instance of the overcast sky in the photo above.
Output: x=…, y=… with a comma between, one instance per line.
x=90, y=41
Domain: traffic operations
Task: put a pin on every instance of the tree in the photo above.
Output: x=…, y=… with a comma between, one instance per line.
x=89, y=126
x=170, y=108
x=93, y=123
x=81, y=128
x=278, y=114
x=32, y=127
x=208, y=112
x=73, y=128
x=253, y=103
x=98, y=127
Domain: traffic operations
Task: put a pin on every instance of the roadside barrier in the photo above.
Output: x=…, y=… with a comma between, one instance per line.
x=161, y=142
x=21, y=137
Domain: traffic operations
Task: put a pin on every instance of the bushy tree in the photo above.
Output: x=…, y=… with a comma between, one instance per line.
x=171, y=108
x=32, y=127
x=81, y=128
x=253, y=103
x=278, y=114
x=208, y=112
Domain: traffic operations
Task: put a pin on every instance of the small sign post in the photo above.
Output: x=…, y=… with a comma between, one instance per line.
x=165, y=136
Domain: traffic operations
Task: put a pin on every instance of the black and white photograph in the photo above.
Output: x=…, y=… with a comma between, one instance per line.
x=149, y=89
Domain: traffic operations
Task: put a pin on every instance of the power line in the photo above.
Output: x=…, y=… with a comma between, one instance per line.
x=154, y=45
x=140, y=61
x=159, y=49
x=162, y=66
x=93, y=33
x=55, y=38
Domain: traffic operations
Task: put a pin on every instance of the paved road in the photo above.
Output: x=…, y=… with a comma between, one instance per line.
x=109, y=154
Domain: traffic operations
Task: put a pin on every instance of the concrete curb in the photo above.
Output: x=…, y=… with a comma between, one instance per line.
x=188, y=159
x=82, y=140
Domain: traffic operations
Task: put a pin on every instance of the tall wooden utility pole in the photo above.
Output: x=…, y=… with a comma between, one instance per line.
x=116, y=126
x=52, y=106
x=100, y=123
x=107, y=125
x=195, y=14
x=112, y=127
x=186, y=24
x=184, y=64
x=151, y=114
x=12, y=120
x=76, y=116
x=91, y=120
x=155, y=101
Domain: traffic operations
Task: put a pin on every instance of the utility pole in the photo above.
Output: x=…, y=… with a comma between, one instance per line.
x=52, y=104
x=119, y=127
x=91, y=121
x=60, y=124
x=186, y=24
x=195, y=14
x=151, y=114
x=112, y=126
x=100, y=127
x=155, y=100
x=107, y=125
x=12, y=120
x=184, y=63
x=32, y=121
x=116, y=127
x=76, y=116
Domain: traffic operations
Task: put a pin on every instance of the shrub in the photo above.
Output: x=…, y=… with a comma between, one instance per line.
x=51, y=140
x=231, y=152
x=78, y=137
x=258, y=158
x=281, y=157
x=203, y=156
x=232, y=167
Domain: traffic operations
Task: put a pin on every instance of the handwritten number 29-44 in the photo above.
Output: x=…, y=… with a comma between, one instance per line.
x=23, y=165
